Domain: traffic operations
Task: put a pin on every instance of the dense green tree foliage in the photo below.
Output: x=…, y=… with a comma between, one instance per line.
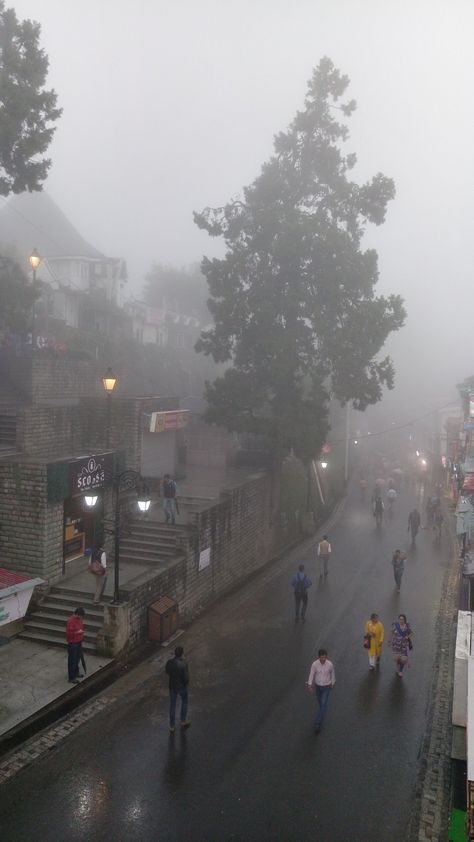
x=293, y=299
x=17, y=297
x=27, y=109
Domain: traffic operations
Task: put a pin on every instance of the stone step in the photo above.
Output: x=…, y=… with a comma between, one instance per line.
x=73, y=595
x=53, y=640
x=36, y=624
x=151, y=552
x=65, y=609
x=148, y=538
x=158, y=526
x=151, y=562
x=59, y=619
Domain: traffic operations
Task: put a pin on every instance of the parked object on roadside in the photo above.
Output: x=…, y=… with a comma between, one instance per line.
x=74, y=638
x=398, y=564
x=301, y=582
x=98, y=568
x=324, y=554
x=177, y=670
x=374, y=635
x=401, y=643
x=170, y=503
x=321, y=680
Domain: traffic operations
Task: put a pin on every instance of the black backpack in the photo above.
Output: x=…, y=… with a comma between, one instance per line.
x=300, y=590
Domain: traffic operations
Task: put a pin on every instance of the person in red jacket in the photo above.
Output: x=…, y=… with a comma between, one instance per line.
x=74, y=637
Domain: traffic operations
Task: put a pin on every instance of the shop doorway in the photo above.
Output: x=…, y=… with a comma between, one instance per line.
x=83, y=528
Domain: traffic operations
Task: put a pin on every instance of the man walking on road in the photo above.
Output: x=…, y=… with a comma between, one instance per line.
x=398, y=562
x=177, y=670
x=300, y=582
x=324, y=552
x=322, y=679
x=74, y=638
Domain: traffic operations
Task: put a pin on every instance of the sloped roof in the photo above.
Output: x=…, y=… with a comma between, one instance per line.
x=34, y=220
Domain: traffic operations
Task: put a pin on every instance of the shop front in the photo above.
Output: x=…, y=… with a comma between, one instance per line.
x=83, y=523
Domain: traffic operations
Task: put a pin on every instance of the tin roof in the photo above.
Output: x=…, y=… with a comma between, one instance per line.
x=9, y=578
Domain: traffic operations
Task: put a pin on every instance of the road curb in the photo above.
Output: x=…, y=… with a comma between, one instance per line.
x=430, y=814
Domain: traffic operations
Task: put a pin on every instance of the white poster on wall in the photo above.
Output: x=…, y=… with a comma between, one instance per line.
x=204, y=558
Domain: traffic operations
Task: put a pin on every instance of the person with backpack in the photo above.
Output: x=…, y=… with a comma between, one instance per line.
x=300, y=582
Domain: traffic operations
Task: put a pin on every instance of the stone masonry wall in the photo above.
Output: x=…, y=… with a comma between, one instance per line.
x=30, y=529
x=48, y=431
x=240, y=532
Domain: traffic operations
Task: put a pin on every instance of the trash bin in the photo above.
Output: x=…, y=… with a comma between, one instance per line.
x=163, y=619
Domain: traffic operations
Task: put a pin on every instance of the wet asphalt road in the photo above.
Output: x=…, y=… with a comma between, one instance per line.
x=250, y=767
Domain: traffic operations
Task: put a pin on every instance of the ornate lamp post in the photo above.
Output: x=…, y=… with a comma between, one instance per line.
x=126, y=481
x=109, y=380
x=34, y=261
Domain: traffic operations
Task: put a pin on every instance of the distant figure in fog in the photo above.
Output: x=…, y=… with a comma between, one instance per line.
x=378, y=512
x=398, y=563
x=300, y=582
x=363, y=489
x=414, y=521
x=169, y=491
x=324, y=553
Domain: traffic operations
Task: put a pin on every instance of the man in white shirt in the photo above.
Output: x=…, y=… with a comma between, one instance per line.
x=324, y=552
x=322, y=679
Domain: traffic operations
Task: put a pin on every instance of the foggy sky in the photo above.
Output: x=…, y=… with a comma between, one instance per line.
x=171, y=105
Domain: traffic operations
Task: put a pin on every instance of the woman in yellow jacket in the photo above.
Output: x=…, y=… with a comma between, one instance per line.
x=374, y=633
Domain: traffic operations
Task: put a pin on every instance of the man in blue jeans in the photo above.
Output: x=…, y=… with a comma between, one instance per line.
x=177, y=670
x=322, y=679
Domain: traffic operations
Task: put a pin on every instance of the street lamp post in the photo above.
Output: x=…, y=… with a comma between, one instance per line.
x=126, y=481
x=109, y=380
x=34, y=261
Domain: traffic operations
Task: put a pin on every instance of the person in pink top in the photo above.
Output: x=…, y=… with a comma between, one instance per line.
x=321, y=680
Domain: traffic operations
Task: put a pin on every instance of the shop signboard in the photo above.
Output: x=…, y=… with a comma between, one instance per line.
x=468, y=425
x=204, y=558
x=162, y=422
x=91, y=472
x=471, y=404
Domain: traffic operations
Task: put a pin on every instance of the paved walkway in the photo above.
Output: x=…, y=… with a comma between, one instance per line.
x=32, y=676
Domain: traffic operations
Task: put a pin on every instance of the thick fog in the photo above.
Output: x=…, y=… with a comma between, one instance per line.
x=171, y=105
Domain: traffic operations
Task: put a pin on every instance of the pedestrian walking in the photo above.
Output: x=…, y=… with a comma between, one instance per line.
x=373, y=640
x=414, y=521
x=401, y=643
x=321, y=680
x=74, y=638
x=177, y=670
x=301, y=582
x=170, y=504
x=378, y=509
x=324, y=553
x=398, y=563
x=98, y=568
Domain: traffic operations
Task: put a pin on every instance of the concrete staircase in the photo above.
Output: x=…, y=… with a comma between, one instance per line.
x=150, y=542
x=47, y=622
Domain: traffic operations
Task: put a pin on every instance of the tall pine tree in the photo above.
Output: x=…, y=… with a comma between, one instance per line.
x=293, y=299
x=27, y=109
